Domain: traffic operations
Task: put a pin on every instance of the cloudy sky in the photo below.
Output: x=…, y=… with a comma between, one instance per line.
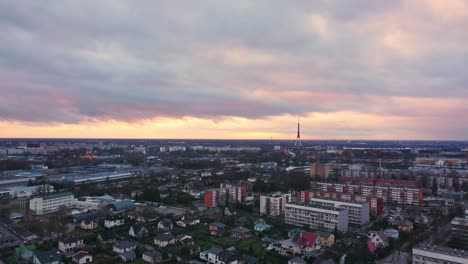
x=360, y=69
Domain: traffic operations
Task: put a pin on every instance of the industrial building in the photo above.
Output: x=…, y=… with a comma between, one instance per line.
x=51, y=203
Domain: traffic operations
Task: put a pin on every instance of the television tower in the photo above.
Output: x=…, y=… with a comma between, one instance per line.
x=298, y=142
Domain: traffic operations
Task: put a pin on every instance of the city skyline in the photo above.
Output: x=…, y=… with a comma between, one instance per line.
x=222, y=70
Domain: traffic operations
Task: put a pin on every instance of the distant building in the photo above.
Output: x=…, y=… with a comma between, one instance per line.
x=317, y=217
x=319, y=169
x=51, y=203
x=376, y=204
x=220, y=256
x=459, y=231
x=273, y=204
x=358, y=212
x=226, y=194
x=401, y=192
x=428, y=254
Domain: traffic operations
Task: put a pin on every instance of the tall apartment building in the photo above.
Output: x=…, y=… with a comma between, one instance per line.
x=375, y=203
x=389, y=192
x=227, y=193
x=320, y=169
x=459, y=231
x=316, y=217
x=429, y=254
x=273, y=204
x=358, y=212
x=51, y=203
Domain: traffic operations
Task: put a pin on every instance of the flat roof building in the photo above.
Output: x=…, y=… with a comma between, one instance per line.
x=51, y=203
x=317, y=217
x=429, y=254
x=358, y=212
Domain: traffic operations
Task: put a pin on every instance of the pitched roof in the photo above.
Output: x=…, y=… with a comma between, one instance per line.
x=218, y=224
x=123, y=244
x=164, y=237
x=306, y=239
x=69, y=240
x=241, y=229
x=48, y=256
x=80, y=255
x=152, y=253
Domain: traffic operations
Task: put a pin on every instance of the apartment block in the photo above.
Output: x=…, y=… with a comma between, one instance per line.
x=389, y=192
x=430, y=254
x=51, y=203
x=375, y=203
x=227, y=193
x=459, y=231
x=316, y=217
x=273, y=204
x=358, y=212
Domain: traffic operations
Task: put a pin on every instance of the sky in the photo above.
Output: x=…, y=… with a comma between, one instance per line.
x=360, y=69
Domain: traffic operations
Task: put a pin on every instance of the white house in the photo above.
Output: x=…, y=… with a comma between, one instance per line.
x=164, y=239
x=68, y=244
x=123, y=246
x=113, y=221
x=378, y=238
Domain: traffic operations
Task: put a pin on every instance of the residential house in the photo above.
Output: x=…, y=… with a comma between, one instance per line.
x=392, y=233
x=241, y=232
x=25, y=254
x=327, y=239
x=89, y=224
x=47, y=257
x=217, y=229
x=378, y=238
x=70, y=244
x=123, y=246
x=230, y=210
x=261, y=226
x=301, y=243
x=114, y=221
x=164, y=239
x=297, y=260
x=220, y=256
x=152, y=256
x=421, y=219
x=138, y=230
x=106, y=237
x=405, y=226
x=165, y=224
x=128, y=256
x=82, y=257
x=214, y=213
x=189, y=219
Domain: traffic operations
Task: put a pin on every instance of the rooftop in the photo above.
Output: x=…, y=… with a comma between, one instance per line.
x=330, y=208
x=337, y=200
x=57, y=195
x=442, y=250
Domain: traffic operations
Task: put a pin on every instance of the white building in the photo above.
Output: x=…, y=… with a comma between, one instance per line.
x=68, y=244
x=113, y=221
x=430, y=254
x=358, y=212
x=51, y=203
x=317, y=217
x=273, y=204
x=26, y=191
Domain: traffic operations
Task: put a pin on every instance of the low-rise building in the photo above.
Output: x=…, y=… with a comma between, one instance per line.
x=424, y=253
x=164, y=239
x=51, y=203
x=378, y=238
x=114, y=221
x=301, y=243
x=317, y=217
x=219, y=256
x=68, y=244
x=82, y=257
x=241, y=232
x=152, y=256
x=217, y=229
x=47, y=257
x=123, y=246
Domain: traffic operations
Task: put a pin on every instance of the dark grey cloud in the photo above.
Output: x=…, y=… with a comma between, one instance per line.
x=68, y=61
